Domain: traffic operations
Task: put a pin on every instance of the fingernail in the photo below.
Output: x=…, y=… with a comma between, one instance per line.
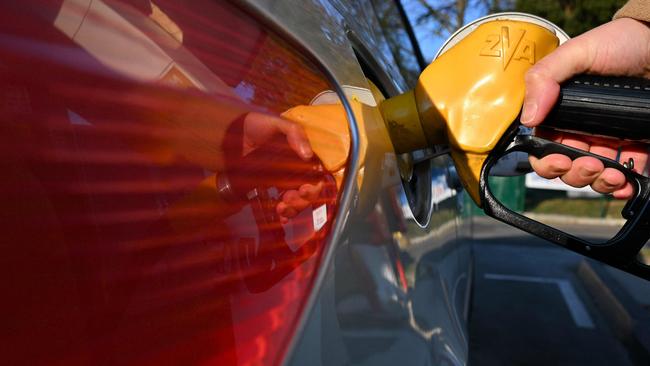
x=528, y=113
x=306, y=152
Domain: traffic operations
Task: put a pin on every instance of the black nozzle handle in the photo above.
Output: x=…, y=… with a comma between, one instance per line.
x=620, y=251
x=617, y=107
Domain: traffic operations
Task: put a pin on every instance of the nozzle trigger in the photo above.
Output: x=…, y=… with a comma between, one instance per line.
x=621, y=250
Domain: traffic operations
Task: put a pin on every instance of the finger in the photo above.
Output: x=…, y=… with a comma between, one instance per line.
x=285, y=210
x=584, y=171
x=293, y=200
x=551, y=166
x=544, y=78
x=541, y=94
x=575, y=141
x=609, y=181
x=296, y=137
x=310, y=192
x=624, y=193
x=639, y=154
x=605, y=151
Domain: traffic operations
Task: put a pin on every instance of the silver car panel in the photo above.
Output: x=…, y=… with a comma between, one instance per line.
x=389, y=290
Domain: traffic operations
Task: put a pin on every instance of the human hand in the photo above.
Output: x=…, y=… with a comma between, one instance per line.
x=260, y=128
x=294, y=201
x=620, y=47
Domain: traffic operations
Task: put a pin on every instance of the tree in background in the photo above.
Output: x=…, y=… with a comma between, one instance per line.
x=436, y=20
x=445, y=17
x=574, y=16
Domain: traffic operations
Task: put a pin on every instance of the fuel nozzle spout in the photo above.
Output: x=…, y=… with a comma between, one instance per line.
x=469, y=96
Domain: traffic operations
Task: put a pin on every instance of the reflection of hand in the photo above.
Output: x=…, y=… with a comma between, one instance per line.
x=260, y=128
x=294, y=201
x=620, y=47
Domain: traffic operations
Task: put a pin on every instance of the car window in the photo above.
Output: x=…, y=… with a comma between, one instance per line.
x=396, y=35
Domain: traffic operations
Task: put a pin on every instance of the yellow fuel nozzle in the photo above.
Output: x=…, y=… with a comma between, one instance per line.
x=470, y=95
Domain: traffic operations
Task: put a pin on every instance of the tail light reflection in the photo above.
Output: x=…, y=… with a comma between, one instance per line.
x=139, y=224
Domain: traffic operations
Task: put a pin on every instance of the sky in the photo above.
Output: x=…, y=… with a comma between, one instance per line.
x=429, y=42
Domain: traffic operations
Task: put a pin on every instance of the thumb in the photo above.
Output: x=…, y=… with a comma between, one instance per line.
x=296, y=137
x=544, y=78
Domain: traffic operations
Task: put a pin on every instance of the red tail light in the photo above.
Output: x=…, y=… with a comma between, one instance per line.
x=143, y=182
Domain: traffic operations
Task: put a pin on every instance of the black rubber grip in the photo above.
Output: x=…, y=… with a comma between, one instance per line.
x=616, y=107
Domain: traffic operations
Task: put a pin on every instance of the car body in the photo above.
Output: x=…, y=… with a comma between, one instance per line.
x=139, y=230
